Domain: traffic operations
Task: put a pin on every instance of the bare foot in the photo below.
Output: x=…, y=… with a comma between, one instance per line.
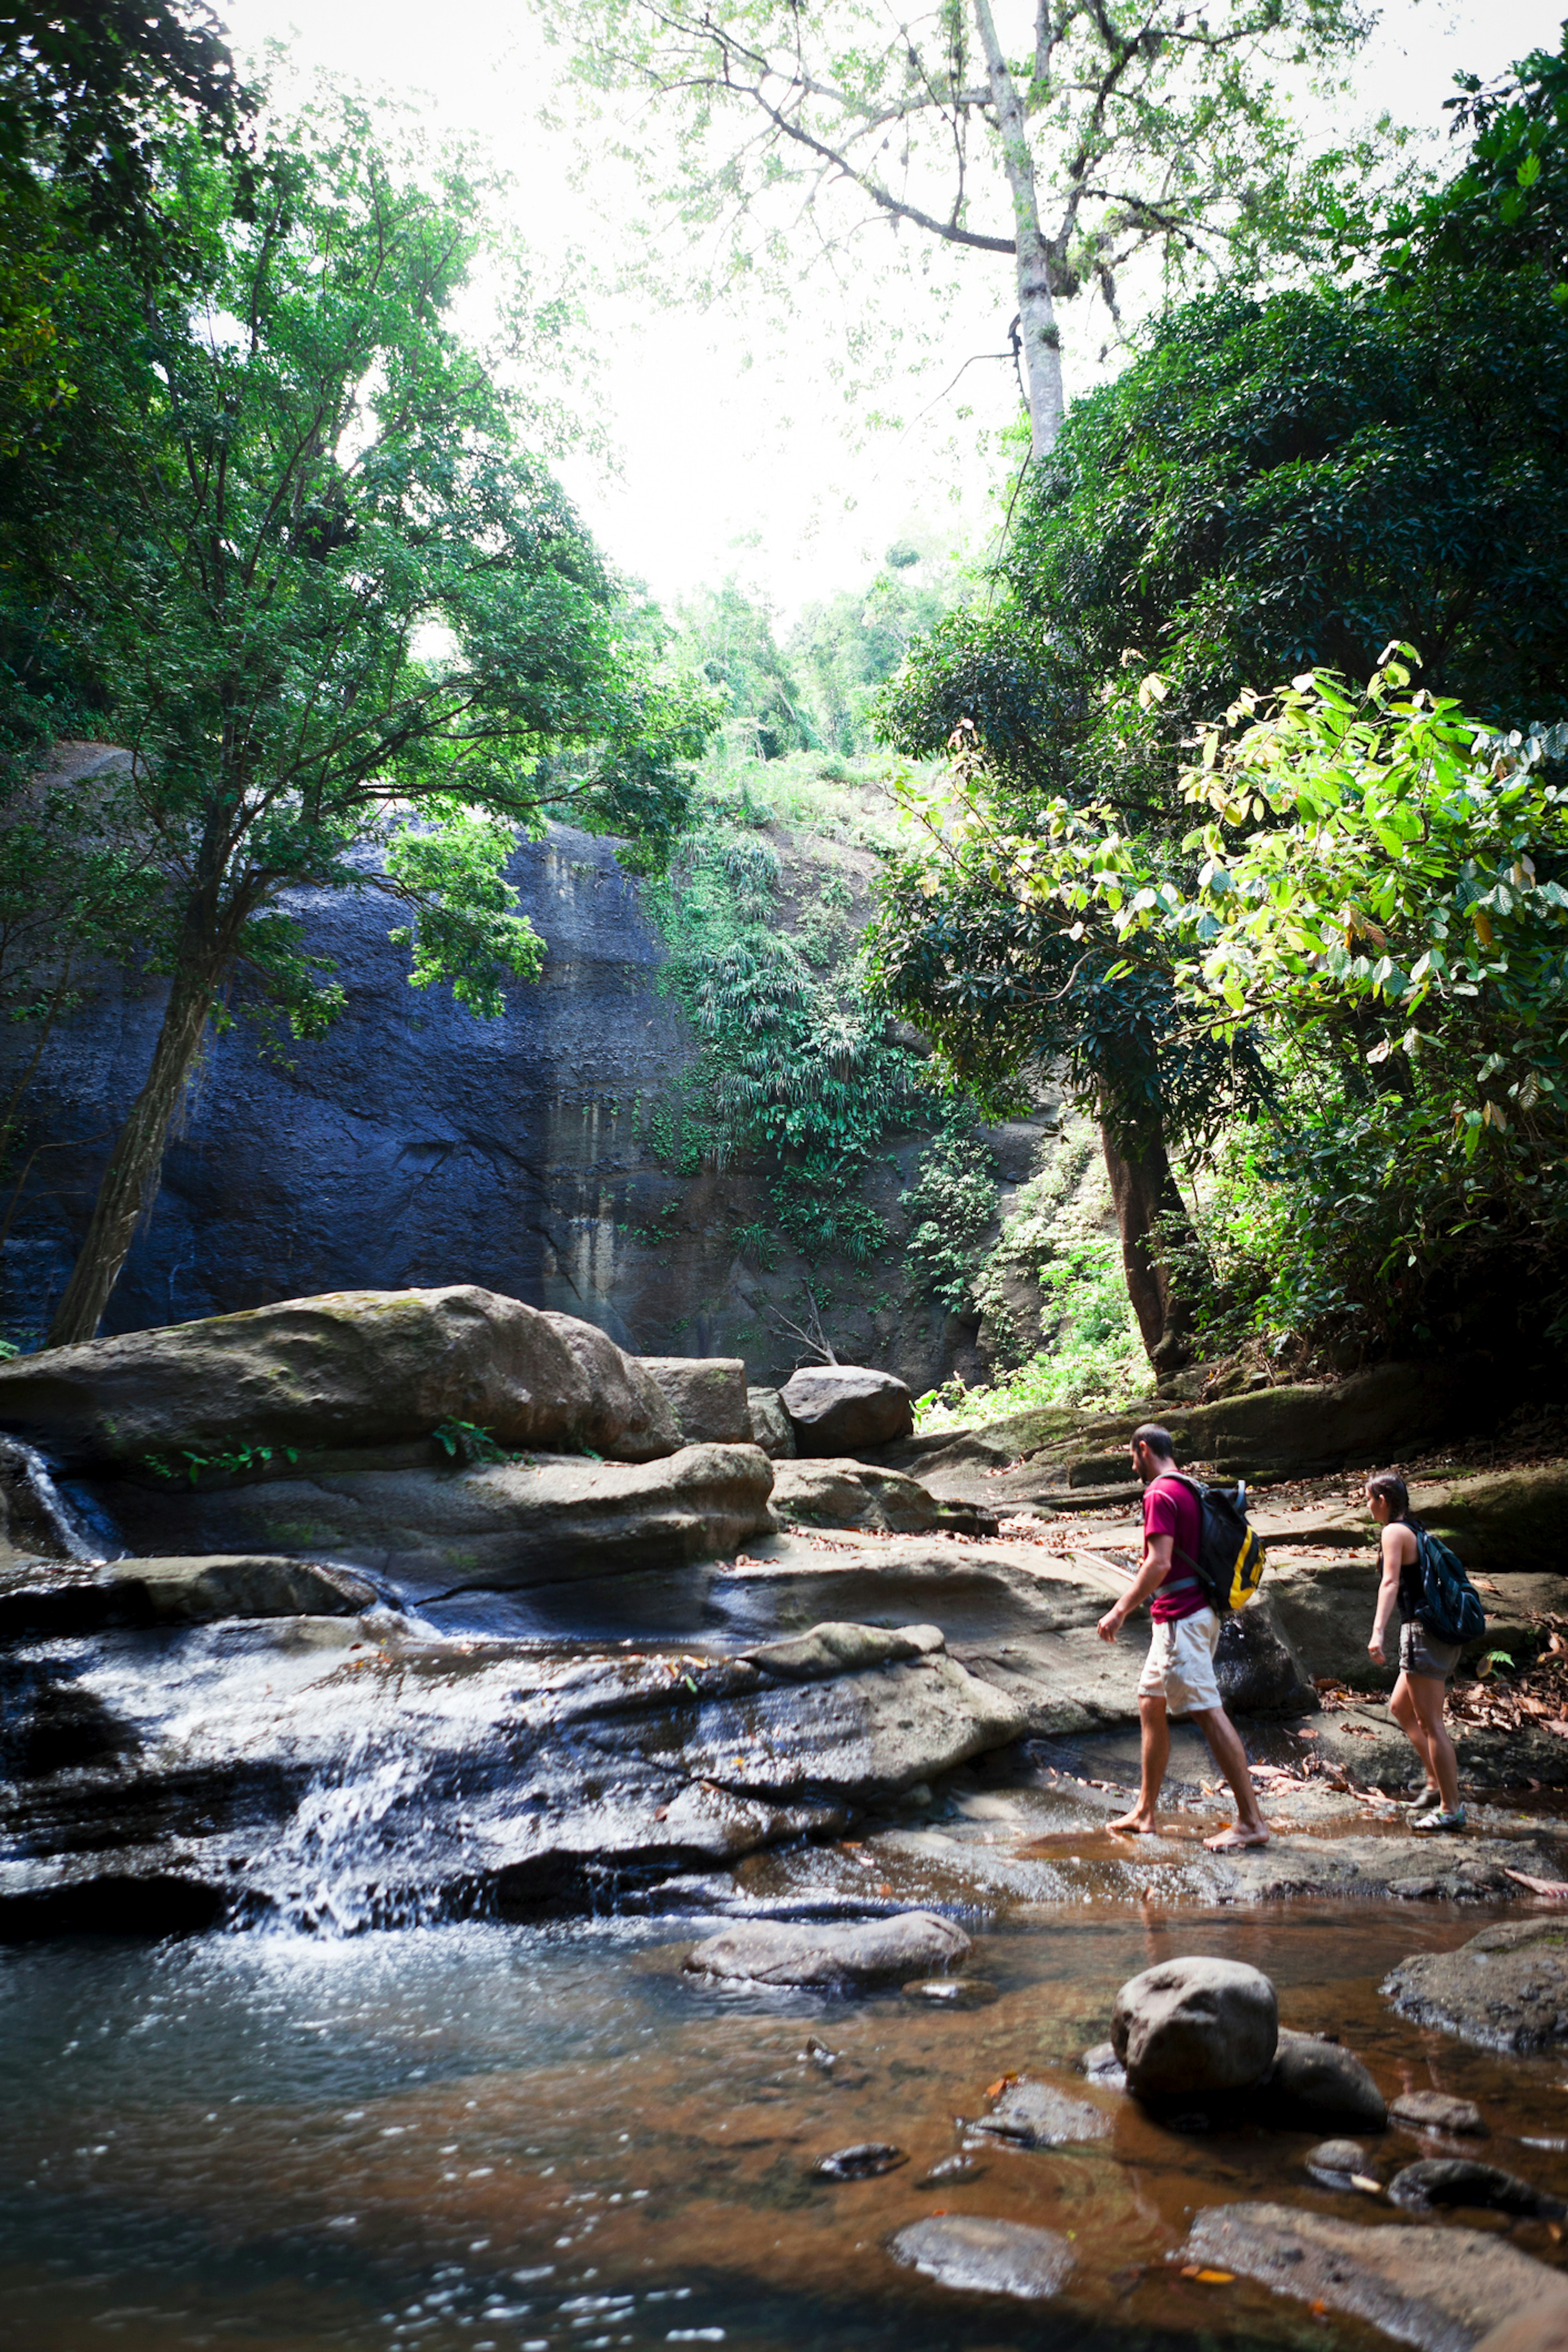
x=1231, y=1839
x=1134, y=1825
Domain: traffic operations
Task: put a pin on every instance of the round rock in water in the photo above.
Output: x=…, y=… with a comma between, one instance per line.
x=1460, y=2180
x=1196, y=2026
x=1102, y=2065
x=1332, y=2161
x=985, y=2257
x=864, y=2161
x=1435, y=2111
x=951, y=1992
x=1319, y=2083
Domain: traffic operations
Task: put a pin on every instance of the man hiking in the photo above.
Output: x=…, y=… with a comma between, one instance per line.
x=1179, y=1675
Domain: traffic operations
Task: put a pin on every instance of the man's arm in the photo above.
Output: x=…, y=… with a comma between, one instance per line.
x=1151, y=1576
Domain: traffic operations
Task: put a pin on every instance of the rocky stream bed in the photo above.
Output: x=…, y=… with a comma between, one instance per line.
x=496, y=1855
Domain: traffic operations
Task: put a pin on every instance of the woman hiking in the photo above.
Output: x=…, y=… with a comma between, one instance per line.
x=1425, y=1663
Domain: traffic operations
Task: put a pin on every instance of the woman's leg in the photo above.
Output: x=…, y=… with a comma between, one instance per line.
x=1429, y=1694
x=1406, y=1713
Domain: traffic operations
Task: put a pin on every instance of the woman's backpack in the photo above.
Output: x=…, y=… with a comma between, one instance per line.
x=1450, y=1606
x=1231, y=1559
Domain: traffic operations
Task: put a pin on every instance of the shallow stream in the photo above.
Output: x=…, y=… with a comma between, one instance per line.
x=514, y=2138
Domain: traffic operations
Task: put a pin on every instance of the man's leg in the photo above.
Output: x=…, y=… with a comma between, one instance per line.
x=1156, y=1754
x=1226, y=1747
x=1427, y=1693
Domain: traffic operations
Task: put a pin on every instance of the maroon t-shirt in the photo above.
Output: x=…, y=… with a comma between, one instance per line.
x=1171, y=1509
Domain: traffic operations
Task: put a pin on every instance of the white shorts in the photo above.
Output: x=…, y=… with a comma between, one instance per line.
x=1180, y=1665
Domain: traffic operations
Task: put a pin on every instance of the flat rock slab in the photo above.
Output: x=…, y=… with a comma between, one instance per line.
x=42, y=1601
x=1441, y=2289
x=1412, y=1869
x=706, y=1396
x=1034, y=2115
x=1507, y=1989
x=883, y=1951
x=980, y=2256
x=432, y=1532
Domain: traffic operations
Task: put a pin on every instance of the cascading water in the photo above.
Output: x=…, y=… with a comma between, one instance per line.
x=40, y=1518
x=327, y=1864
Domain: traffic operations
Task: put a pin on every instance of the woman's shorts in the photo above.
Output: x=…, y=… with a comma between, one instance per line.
x=1421, y=1653
x=1180, y=1665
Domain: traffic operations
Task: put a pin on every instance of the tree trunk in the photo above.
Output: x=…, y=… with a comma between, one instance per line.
x=1144, y=1189
x=133, y=1164
x=1036, y=307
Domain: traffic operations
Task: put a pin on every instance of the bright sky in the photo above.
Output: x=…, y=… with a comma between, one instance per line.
x=737, y=452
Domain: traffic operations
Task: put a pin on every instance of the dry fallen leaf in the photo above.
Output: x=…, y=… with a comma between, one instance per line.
x=994, y=2090
x=1208, y=2278
x=1551, y=1890
x=1364, y=2180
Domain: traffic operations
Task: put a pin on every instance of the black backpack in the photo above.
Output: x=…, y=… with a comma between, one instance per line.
x=1450, y=1606
x=1230, y=1561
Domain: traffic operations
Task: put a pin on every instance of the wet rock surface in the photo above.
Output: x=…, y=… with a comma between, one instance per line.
x=1460, y=2180
x=1036, y=2115
x=1196, y=2026
x=1314, y=2084
x=1435, y=2111
x=981, y=2256
x=881, y=1952
x=1506, y=1988
x=1440, y=2289
x=868, y=2160
x=351, y=1768
x=1337, y=2162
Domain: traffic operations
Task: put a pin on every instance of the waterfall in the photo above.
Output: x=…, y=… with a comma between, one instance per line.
x=39, y=1520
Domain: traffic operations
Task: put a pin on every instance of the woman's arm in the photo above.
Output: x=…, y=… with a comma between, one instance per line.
x=1388, y=1590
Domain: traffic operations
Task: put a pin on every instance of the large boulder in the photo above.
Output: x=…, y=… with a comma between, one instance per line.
x=1507, y=1989
x=707, y=1395
x=882, y=1951
x=842, y=1408
x=771, y=1424
x=352, y=1368
x=828, y=1492
x=629, y=1417
x=494, y=1526
x=1439, y=2289
x=1196, y=2024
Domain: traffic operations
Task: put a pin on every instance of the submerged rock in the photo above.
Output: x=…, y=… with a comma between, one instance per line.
x=1435, y=2111
x=707, y=1396
x=830, y=1492
x=1460, y=2180
x=1034, y=2115
x=1196, y=2026
x=1102, y=2065
x=1507, y=1989
x=496, y=1527
x=867, y=2160
x=975, y=2254
x=951, y=1992
x=350, y=1368
x=839, y=1408
x=950, y=2169
x=1439, y=2288
x=882, y=1951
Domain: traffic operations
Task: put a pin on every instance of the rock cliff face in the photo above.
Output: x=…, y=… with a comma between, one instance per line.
x=417, y=1145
